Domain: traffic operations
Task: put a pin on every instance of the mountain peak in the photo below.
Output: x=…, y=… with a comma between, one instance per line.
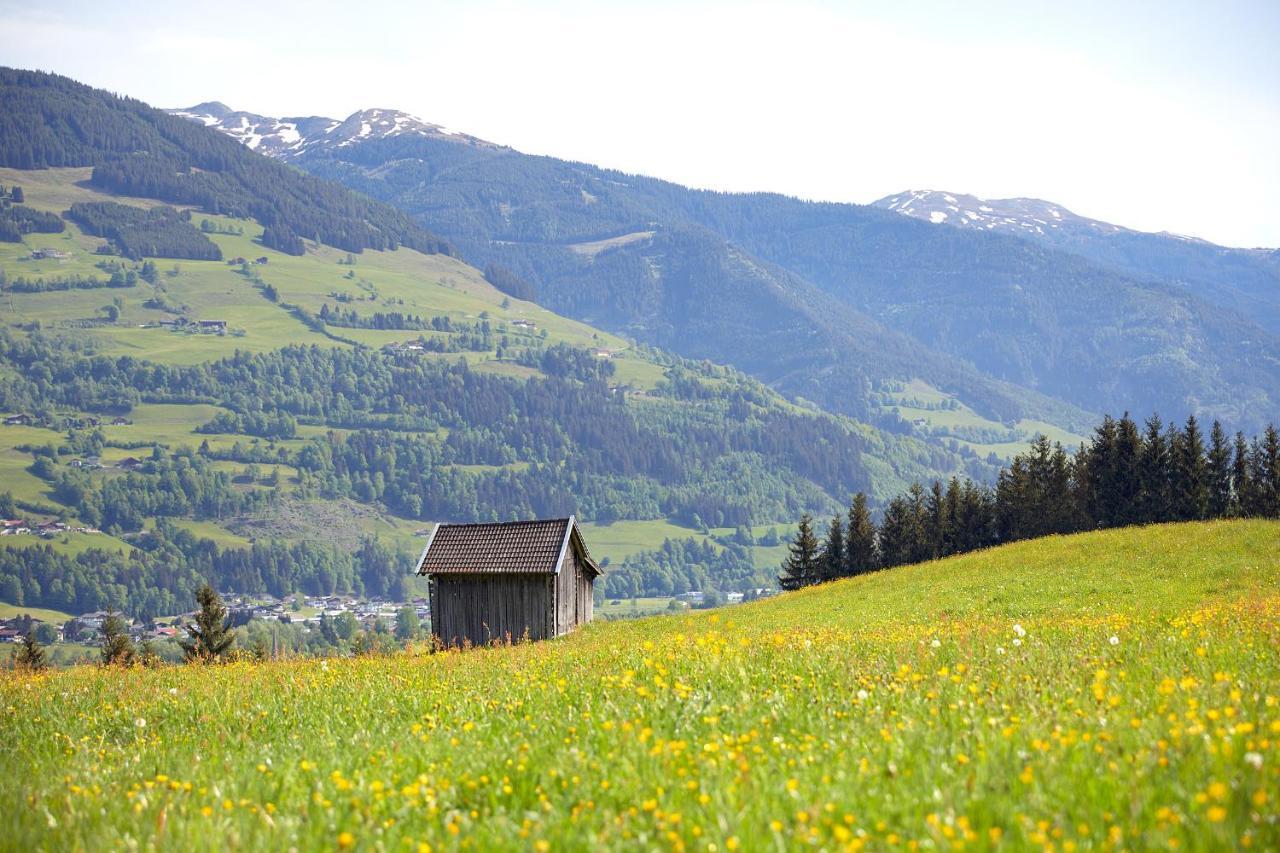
x=1026, y=216
x=292, y=136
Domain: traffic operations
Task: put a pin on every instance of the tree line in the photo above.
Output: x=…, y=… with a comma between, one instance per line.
x=1123, y=475
x=160, y=232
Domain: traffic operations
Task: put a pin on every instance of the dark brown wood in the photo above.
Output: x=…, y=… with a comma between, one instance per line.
x=508, y=604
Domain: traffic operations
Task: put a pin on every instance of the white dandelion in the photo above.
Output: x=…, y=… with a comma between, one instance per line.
x=1115, y=641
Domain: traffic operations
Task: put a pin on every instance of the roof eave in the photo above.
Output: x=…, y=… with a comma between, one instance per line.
x=422, y=558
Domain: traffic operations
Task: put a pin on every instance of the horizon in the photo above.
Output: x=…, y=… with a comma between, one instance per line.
x=1103, y=116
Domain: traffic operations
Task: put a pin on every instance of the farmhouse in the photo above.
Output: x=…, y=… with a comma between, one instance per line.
x=508, y=580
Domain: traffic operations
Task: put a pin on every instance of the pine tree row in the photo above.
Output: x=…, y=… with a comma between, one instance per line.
x=1123, y=475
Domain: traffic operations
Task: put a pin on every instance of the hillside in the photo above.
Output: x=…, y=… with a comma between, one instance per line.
x=1094, y=690
x=1243, y=280
x=282, y=409
x=1011, y=328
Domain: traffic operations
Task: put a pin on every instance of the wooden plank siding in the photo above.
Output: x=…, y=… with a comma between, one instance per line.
x=506, y=581
x=480, y=609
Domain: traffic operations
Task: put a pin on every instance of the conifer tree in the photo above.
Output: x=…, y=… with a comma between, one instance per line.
x=860, y=542
x=1153, y=473
x=31, y=656
x=801, y=566
x=938, y=523
x=117, y=648
x=833, y=551
x=903, y=533
x=1127, y=473
x=1221, y=499
x=209, y=636
x=1266, y=471
x=1190, y=475
x=1242, y=478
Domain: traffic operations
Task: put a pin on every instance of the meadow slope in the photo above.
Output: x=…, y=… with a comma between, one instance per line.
x=1095, y=691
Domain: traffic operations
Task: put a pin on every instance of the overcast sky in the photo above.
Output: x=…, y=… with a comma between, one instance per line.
x=1161, y=115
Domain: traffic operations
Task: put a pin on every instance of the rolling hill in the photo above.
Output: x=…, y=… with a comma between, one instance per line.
x=1086, y=691
x=260, y=394
x=1013, y=328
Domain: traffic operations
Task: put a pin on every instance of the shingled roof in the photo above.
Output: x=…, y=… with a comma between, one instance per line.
x=509, y=547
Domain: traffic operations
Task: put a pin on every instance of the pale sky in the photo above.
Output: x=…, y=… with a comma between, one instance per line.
x=1161, y=115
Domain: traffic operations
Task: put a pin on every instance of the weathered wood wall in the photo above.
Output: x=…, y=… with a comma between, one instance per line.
x=484, y=608
x=565, y=586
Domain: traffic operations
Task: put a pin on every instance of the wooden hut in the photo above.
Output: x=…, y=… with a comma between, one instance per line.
x=508, y=580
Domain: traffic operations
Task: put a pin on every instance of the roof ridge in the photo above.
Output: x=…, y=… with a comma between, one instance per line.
x=504, y=523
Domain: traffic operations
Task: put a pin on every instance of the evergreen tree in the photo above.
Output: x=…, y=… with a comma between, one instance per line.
x=1246, y=493
x=1153, y=474
x=1221, y=498
x=903, y=533
x=117, y=648
x=938, y=529
x=31, y=656
x=1190, y=475
x=1266, y=472
x=1127, y=473
x=833, y=551
x=801, y=566
x=1103, y=498
x=209, y=636
x=860, y=542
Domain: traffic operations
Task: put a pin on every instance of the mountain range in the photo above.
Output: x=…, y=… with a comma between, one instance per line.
x=1017, y=308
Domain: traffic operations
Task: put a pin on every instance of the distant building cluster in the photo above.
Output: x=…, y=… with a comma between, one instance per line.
x=48, y=529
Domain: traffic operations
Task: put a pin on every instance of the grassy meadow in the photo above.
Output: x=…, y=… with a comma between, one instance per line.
x=1098, y=691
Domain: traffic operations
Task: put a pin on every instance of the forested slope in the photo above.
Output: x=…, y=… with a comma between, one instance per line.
x=1097, y=329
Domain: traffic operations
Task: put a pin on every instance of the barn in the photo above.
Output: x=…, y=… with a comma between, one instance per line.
x=508, y=580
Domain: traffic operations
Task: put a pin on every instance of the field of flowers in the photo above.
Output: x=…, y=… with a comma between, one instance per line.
x=1116, y=689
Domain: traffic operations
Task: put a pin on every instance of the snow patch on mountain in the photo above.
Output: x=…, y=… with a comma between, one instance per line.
x=291, y=137
x=1026, y=216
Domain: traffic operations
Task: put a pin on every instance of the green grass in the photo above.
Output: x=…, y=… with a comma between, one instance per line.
x=632, y=607
x=404, y=280
x=8, y=611
x=1094, y=691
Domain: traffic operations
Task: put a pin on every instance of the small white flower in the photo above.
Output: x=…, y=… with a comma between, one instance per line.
x=1115, y=641
x=173, y=691
x=1253, y=759
x=140, y=723
x=862, y=695
x=937, y=644
x=1017, y=641
x=1019, y=630
x=324, y=665
x=999, y=650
